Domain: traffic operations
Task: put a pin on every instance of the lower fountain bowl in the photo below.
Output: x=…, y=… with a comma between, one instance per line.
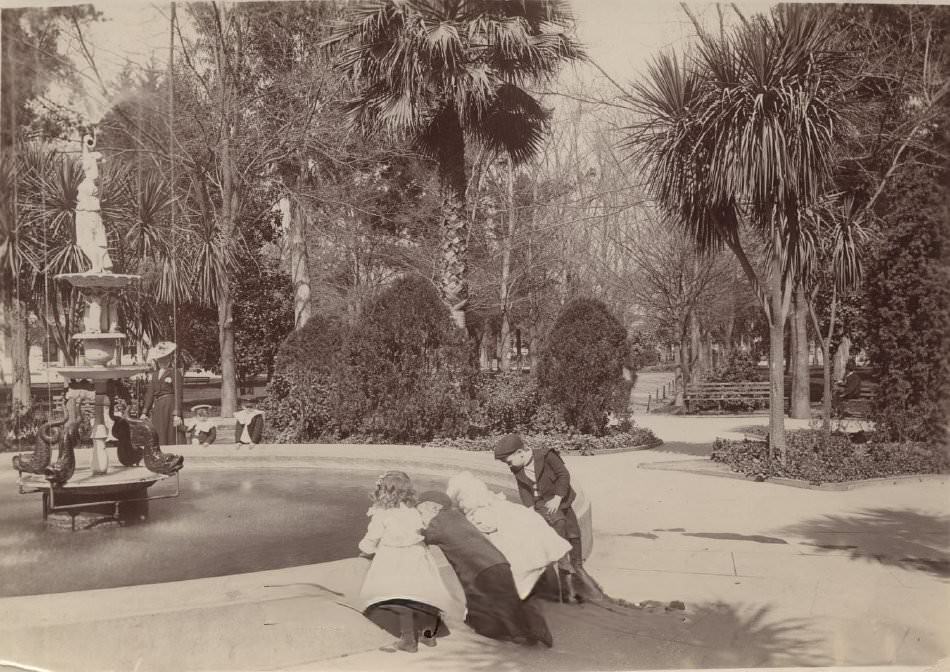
x=98, y=351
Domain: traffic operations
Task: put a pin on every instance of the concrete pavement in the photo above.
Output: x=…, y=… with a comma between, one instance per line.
x=770, y=576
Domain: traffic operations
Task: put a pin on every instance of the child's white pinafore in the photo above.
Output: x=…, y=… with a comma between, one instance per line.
x=402, y=567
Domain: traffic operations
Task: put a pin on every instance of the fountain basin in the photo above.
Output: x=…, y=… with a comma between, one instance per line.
x=101, y=372
x=98, y=347
x=240, y=510
x=102, y=280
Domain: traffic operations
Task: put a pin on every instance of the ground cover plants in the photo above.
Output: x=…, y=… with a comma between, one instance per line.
x=818, y=457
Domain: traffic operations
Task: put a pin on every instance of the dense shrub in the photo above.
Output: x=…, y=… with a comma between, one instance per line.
x=506, y=402
x=580, y=371
x=405, y=372
x=819, y=457
x=565, y=442
x=908, y=317
x=297, y=403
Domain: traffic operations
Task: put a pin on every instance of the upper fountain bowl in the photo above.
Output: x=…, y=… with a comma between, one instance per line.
x=103, y=280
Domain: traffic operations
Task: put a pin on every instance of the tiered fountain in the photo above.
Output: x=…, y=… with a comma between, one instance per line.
x=95, y=489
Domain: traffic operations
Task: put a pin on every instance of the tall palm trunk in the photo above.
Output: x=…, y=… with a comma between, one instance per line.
x=15, y=337
x=801, y=385
x=776, y=357
x=230, y=204
x=505, y=291
x=454, y=246
x=825, y=340
x=14, y=312
x=299, y=262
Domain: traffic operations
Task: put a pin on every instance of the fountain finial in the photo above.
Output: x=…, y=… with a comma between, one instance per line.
x=90, y=231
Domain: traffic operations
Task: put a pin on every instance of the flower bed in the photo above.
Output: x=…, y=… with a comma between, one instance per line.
x=817, y=457
x=635, y=438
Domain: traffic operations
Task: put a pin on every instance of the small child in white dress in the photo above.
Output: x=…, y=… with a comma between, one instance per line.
x=521, y=534
x=403, y=576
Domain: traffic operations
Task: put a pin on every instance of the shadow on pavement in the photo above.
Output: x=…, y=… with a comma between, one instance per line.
x=602, y=636
x=899, y=538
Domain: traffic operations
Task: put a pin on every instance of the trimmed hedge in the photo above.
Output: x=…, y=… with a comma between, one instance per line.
x=819, y=457
x=564, y=442
x=580, y=371
x=405, y=372
x=298, y=395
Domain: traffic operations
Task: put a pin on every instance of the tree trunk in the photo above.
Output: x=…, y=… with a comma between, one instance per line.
x=454, y=245
x=299, y=262
x=696, y=364
x=484, y=361
x=15, y=337
x=842, y=355
x=504, y=293
x=801, y=376
x=230, y=206
x=825, y=343
x=776, y=361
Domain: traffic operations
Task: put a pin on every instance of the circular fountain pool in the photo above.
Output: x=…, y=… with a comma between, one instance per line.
x=226, y=521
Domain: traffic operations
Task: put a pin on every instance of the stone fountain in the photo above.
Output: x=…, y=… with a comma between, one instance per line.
x=101, y=339
x=99, y=488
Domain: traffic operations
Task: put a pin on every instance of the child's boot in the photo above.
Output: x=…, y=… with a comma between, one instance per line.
x=407, y=640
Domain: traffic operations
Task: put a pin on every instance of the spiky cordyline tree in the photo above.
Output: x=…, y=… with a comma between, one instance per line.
x=445, y=71
x=743, y=134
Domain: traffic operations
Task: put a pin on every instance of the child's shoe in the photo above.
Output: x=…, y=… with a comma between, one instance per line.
x=407, y=643
x=428, y=638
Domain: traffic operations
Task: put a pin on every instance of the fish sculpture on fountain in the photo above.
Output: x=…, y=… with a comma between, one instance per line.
x=130, y=452
x=37, y=461
x=143, y=434
x=62, y=470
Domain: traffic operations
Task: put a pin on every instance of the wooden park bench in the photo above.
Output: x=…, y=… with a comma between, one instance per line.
x=860, y=406
x=719, y=392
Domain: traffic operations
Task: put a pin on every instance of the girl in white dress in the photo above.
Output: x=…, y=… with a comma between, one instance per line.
x=403, y=576
x=521, y=534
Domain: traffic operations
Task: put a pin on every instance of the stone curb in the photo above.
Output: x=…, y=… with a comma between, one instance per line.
x=706, y=468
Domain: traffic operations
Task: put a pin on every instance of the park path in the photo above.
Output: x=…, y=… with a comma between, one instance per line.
x=648, y=383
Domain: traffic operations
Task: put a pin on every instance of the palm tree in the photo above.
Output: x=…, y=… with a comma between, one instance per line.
x=444, y=72
x=743, y=135
x=18, y=258
x=838, y=266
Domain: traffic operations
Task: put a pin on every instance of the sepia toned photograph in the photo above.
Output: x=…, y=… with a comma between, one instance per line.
x=437, y=335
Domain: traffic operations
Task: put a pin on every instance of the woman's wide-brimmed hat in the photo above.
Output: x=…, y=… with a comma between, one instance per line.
x=198, y=407
x=161, y=349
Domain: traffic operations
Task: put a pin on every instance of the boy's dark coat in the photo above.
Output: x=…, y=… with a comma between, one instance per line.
x=552, y=476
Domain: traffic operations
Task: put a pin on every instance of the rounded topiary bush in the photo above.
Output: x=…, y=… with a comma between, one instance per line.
x=580, y=371
x=506, y=402
x=405, y=371
x=298, y=395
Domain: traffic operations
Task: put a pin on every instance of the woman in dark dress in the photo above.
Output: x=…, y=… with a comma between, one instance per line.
x=163, y=397
x=491, y=598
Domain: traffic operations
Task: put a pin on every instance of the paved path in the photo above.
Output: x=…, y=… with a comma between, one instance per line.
x=770, y=575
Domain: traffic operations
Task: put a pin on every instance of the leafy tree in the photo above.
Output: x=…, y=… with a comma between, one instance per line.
x=263, y=316
x=30, y=60
x=581, y=366
x=745, y=137
x=444, y=73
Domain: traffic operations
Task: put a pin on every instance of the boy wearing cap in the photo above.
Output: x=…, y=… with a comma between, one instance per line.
x=544, y=484
x=249, y=423
x=493, y=608
x=202, y=428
